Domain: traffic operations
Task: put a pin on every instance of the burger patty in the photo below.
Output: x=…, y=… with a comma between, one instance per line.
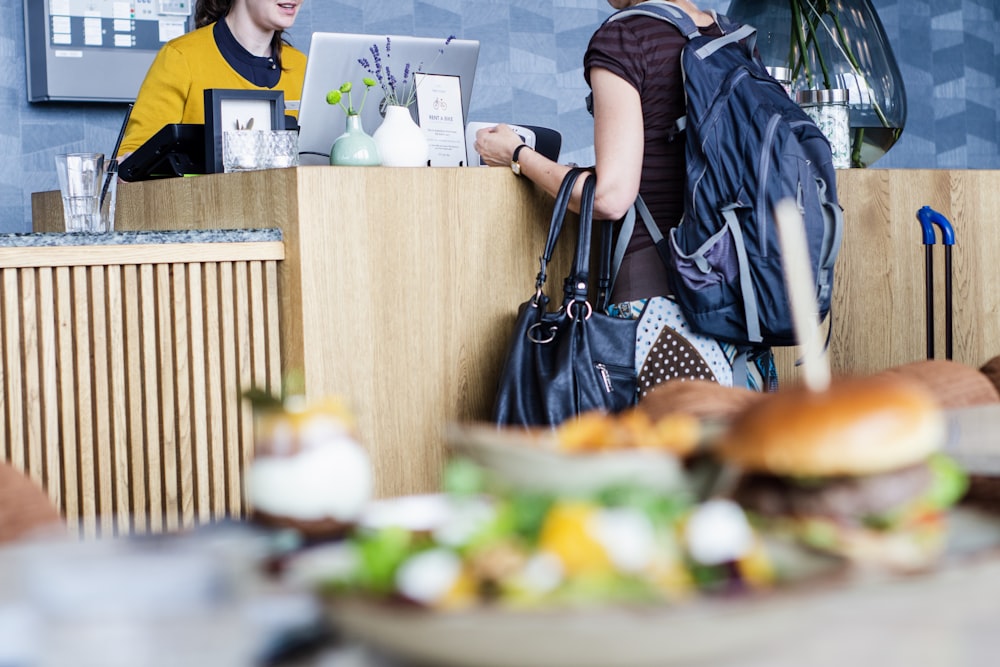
x=843, y=498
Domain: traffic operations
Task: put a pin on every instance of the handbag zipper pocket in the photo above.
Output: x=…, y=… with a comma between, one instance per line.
x=609, y=371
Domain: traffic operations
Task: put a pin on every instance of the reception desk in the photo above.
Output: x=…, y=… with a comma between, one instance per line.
x=398, y=287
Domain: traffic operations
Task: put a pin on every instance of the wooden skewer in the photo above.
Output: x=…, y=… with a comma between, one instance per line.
x=800, y=281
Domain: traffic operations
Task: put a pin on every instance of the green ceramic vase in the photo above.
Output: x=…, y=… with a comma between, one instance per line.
x=354, y=147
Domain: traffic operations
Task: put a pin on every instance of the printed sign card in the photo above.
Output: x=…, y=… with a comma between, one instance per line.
x=439, y=110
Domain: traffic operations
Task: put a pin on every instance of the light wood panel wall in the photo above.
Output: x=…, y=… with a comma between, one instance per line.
x=879, y=295
x=122, y=369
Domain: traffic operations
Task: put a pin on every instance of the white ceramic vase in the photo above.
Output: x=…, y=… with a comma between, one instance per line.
x=400, y=141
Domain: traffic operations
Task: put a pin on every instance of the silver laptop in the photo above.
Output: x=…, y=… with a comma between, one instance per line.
x=333, y=59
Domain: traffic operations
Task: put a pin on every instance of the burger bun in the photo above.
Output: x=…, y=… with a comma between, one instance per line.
x=858, y=426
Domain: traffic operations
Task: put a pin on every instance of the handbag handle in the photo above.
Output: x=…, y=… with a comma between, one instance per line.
x=604, y=280
x=559, y=210
x=577, y=283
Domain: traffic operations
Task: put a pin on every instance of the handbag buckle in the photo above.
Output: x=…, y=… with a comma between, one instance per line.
x=590, y=309
x=532, y=335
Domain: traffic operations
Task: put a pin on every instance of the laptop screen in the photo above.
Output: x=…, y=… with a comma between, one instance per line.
x=334, y=59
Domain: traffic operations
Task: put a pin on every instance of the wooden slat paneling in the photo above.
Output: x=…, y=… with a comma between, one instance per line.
x=155, y=508
x=244, y=368
x=133, y=293
x=16, y=444
x=122, y=380
x=230, y=387
x=215, y=419
x=48, y=349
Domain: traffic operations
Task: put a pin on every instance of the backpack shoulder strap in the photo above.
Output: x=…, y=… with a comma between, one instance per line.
x=640, y=210
x=662, y=9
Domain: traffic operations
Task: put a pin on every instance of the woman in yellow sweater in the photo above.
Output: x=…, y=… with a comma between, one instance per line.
x=236, y=44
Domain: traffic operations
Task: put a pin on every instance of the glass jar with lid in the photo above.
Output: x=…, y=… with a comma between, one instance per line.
x=782, y=75
x=829, y=110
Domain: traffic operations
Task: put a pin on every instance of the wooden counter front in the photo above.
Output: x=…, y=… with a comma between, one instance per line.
x=398, y=288
x=399, y=285
x=122, y=370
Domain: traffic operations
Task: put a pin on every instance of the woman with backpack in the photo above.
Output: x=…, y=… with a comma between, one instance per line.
x=637, y=95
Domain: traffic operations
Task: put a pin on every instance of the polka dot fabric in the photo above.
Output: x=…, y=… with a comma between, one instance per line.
x=667, y=348
x=671, y=357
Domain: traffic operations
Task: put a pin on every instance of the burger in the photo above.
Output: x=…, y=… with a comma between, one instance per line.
x=855, y=470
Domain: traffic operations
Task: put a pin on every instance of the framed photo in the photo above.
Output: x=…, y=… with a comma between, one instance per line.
x=234, y=109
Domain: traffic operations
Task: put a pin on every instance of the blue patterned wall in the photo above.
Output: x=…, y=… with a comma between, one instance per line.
x=529, y=72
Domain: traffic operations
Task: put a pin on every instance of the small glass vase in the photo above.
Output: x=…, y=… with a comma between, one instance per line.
x=835, y=44
x=401, y=142
x=355, y=147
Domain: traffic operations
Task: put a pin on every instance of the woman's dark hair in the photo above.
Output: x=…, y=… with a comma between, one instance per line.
x=210, y=11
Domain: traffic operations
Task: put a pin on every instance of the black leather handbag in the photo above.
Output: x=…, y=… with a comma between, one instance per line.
x=575, y=359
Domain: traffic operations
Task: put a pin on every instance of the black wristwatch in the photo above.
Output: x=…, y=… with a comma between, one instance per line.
x=515, y=166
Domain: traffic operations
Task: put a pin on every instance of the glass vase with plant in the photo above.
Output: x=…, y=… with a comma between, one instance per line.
x=835, y=44
x=354, y=147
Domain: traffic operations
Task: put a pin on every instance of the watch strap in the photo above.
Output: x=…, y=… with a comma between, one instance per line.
x=514, y=164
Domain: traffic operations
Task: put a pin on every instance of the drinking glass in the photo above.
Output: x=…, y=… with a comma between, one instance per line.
x=81, y=178
x=243, y=150
x=109, y=197
x=281, y=149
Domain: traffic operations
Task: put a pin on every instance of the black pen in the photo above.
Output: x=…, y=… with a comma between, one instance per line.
x=113, y=162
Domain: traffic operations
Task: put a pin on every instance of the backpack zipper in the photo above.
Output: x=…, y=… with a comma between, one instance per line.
x=762, y=171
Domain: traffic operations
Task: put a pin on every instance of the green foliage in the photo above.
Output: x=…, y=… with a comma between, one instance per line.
x=337, y=96
x=381, y=554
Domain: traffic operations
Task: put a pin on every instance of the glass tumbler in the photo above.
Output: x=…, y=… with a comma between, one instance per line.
x=81, y=178
x=243, y=150
x=281, y=149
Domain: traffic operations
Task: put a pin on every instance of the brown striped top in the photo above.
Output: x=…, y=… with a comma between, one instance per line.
x=645, y=52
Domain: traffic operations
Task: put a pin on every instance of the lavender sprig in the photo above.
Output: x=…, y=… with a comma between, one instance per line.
x=396, y=92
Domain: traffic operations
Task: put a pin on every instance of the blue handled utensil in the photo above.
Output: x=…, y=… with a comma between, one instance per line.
x=929, y=218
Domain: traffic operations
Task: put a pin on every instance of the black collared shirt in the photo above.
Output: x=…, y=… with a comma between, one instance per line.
x=260, y=71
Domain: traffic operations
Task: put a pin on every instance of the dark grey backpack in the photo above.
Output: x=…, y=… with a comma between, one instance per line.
x=748, y=146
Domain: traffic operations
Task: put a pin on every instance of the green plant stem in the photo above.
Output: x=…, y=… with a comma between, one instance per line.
x=798, y=39
x=859, y=140
x=813, y=19
x=363, y=99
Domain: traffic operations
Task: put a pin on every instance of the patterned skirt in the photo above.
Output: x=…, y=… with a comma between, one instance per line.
x=666, y=348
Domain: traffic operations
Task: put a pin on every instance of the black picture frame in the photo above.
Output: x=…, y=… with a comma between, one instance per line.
x=225, y=106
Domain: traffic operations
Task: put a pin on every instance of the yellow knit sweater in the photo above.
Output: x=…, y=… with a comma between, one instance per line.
x=174, y=88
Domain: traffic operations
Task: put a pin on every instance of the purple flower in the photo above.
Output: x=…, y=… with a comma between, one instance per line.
x=401, y=92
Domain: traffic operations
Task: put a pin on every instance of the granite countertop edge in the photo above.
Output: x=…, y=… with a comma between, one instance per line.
x=40, y=240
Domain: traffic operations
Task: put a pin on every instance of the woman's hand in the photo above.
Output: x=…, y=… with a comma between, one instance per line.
x=496, y=144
